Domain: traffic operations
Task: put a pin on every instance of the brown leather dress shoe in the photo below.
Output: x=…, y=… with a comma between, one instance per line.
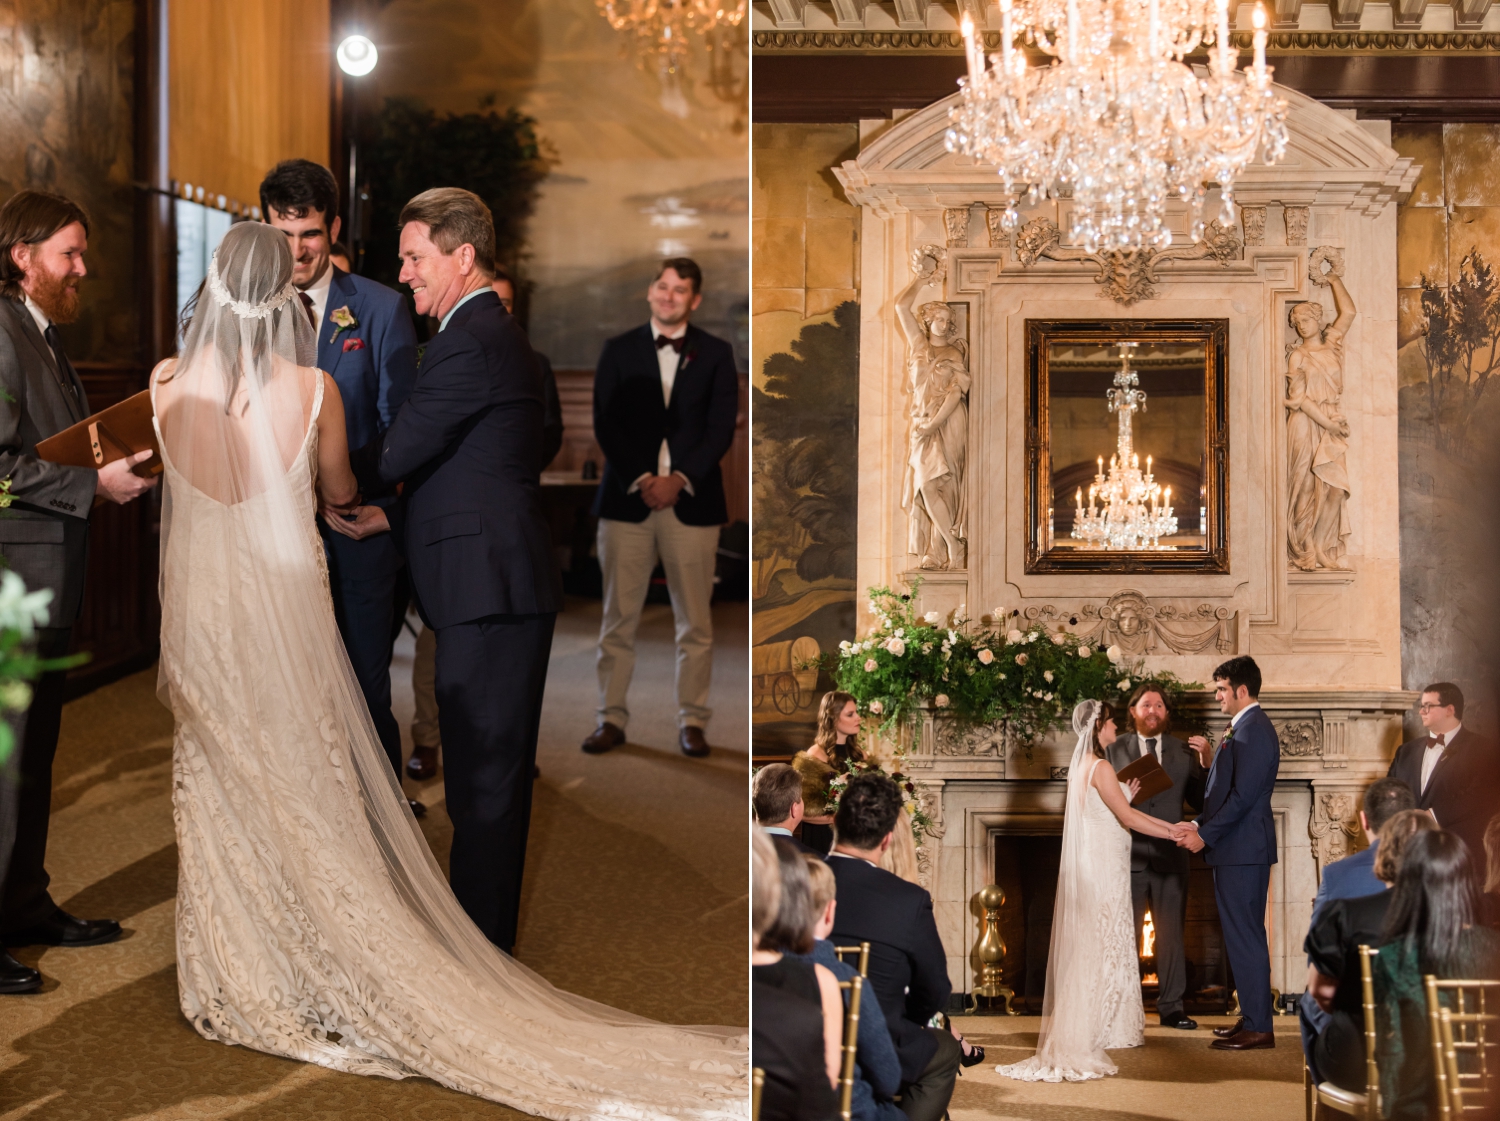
x=1233, y=1029
x=603, y=738
x=423, y=763
x=692, y=742
x=1246, y=1041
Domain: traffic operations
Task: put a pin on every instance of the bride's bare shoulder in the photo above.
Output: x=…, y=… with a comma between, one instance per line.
x=163, y=370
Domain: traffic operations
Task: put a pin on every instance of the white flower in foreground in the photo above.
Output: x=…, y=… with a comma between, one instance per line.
x=941, y=700
x=1002, y=677
x=1013, y=637
x=1124, y=684
x=900, y=632
x=927, y=648
x=15, y=696
x=21, y=610
x=876, y=707
x=896, y=647
x=997, y=614
x=1048, y=675
x=986, y=657
x=1020, y=659
x=1084, y=651
x=871, y=665
x=1115, y=655
x=1033, y=636
x=1048, y=697
x=931, y=618
x=1059, y=638
x=845, y=646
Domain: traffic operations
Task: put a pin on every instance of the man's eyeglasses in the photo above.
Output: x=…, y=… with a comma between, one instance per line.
x=1429, y=707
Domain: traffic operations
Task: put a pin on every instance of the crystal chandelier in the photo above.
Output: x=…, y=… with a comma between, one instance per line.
x=1119, y=120
x=662, y=27
x=1127, y=508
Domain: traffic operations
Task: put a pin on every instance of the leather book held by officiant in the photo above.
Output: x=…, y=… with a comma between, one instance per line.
x=1152, y=777
x=114, y=433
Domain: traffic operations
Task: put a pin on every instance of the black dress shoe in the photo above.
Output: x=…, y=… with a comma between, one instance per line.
x=1246, y=1041
x=692, y=741
x=1232, y=1029
x=417, y=808
x=62, y=929
x=1178, y=1020
x=17, y=978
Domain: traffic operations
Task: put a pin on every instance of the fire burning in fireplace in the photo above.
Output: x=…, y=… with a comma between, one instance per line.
x=1148, y=948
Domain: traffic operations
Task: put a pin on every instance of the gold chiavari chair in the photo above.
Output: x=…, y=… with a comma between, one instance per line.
x=863, y=950
x=757, y=1083
x=855, y=985
x=1365, y=1106
x=1462, y=1043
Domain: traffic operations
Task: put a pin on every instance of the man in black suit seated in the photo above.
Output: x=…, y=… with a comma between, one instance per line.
x=908, y=968
x=777, y=798
x=665, y=398
x=1453, y=772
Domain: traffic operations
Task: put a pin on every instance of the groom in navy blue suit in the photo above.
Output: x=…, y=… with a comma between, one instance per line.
x=1237, y=831
x=367, y=342
x=467, y=447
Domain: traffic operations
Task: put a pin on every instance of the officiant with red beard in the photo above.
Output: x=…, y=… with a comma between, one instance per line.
x=1158, y=867
x=44, y=540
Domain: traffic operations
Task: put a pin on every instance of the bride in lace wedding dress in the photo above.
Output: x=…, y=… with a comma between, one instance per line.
x=312, y=919
x=1093, y=997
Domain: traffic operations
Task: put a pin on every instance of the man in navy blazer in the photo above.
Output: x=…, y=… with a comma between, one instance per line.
x=367, y=342
x=1237, y=831
x=665, y=398
x=467, y=447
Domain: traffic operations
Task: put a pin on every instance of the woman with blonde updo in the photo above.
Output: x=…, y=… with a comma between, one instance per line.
x=834, y=745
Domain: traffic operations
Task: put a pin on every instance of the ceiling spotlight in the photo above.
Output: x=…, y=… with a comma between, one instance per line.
x=357, y=56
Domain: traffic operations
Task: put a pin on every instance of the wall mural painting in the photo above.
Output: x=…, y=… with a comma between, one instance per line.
x=1448, y=254
x=804, y=493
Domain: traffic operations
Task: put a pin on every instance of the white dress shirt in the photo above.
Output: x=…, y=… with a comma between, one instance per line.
x=1234, y=720
x=42, y=322
x=1150, y=745
x=317, y=291
x=667, y=361
x=1433, y=753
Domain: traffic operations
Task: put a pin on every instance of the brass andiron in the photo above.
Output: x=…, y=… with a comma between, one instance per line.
x=989, y=953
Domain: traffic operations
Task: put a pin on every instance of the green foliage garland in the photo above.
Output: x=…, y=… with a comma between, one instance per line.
x=1027, y=679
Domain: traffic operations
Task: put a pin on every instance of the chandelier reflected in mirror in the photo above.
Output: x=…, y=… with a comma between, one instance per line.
x=1118, y=120
x=663, y=29
x=1127, y=508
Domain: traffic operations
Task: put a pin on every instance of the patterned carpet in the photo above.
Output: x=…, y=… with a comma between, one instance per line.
x=635, y=895
x=1174, y=1077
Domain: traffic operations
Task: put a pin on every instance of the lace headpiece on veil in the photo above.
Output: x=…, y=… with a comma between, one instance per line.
x=1084, y=715
x=244, y=308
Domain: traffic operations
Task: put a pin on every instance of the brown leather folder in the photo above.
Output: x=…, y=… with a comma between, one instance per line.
x=1153, y=778
x=118, y=431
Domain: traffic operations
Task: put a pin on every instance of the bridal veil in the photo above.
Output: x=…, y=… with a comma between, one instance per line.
x=313, y=921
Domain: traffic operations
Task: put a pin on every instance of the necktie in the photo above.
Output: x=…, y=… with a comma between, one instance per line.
x=62, y=362
x=307, y=306
x=1151, y=747
x=675, y=344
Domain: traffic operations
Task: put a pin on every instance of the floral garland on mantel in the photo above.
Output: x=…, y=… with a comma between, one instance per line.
x=1026, y=680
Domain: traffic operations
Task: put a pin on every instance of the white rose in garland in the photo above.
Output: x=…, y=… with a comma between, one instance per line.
x=896, y=647
x=1021, y=659
x=941, y=700
x=1115, y=655
x=932, y=618
x=871, y=665
x=1013, y=637
x=985, y=656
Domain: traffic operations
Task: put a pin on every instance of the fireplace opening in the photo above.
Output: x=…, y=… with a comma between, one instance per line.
x=1025, y=867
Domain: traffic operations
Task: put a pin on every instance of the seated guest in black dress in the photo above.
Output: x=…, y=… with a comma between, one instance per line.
x=908, y=967
x=1429, y=929
x=795, y=1005
x=776, y=796
x=1334, y=1043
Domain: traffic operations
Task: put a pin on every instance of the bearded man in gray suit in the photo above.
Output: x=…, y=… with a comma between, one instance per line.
x=1158, y=867
x=44, y=540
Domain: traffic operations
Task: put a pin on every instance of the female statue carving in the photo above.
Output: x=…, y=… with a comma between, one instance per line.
x=937, y=369
x=1316, y=429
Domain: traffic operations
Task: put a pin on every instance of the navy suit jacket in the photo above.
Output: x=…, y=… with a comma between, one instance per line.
x=1349, y=878
x=375, y=361
x=467, y=444
x=631, y=420
x=1236, y=824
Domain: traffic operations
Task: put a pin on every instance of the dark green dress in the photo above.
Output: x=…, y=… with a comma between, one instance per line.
x=1404, y=1044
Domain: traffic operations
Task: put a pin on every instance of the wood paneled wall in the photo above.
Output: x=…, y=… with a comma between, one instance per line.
x=249, y=86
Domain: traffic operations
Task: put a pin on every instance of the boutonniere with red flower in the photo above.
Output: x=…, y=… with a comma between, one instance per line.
x=689, y=354
x=343, y=320
x=353, y=344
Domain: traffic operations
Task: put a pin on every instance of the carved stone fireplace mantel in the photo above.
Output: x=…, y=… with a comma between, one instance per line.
x=1323, y=623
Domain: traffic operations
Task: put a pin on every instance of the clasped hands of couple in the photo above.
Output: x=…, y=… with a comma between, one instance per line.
x=360, y=521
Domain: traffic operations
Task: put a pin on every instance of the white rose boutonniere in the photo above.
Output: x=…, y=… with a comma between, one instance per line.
x=343, y=320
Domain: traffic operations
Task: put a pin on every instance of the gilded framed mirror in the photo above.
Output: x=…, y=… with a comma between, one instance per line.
x=1127, y=457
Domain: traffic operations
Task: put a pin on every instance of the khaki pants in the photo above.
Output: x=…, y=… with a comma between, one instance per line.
x=628, y=552
x=424, y=725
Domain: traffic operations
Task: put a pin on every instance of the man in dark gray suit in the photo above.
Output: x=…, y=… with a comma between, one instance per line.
x=1158, y=867
x=44, y=540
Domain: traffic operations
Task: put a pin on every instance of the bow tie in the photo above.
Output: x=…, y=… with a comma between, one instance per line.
x=675, y=344
x=1434, y=741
